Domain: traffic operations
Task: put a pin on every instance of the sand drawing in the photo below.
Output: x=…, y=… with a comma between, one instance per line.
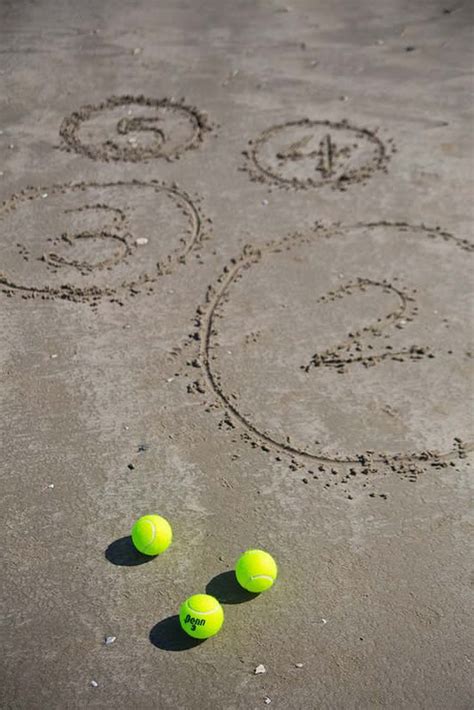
x=371, y=381
x=95, y=240
x=355, y=349
x=134, y=129
x=306, y=154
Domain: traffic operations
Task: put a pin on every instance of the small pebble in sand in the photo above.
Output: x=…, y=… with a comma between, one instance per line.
x=44, y=195
x=267, y=700
x=109, y=640
x=324, y=621
x=260, y=669
x=50, y=485
x=298, y=665
x=137, y=50
x=94, y=684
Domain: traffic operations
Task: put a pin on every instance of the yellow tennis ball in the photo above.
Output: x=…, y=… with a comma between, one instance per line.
x=201, y=616
x=256, y=570
x=152, y=534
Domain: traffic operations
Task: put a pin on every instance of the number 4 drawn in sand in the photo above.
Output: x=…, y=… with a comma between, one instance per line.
x=326, y=155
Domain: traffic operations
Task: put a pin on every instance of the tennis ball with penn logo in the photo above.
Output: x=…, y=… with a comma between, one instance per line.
x=152, y=534
x=201, y=616
x=256, y=571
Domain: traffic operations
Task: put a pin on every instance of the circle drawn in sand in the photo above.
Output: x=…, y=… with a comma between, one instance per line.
x=357, y=343
x=86, y=240
x=134, y=128
x=305, y=153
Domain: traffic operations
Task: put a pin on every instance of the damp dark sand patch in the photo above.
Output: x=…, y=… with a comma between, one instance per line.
x=134, y=129
x=307, y=154
x=86, y=241
x=391, y=394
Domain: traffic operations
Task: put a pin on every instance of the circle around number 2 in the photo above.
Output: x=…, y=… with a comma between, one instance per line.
x=220, y=293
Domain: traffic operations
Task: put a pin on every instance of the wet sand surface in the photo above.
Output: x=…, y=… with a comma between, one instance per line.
x=236, y=290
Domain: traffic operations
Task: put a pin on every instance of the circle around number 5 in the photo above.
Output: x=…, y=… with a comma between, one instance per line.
x=134, y=128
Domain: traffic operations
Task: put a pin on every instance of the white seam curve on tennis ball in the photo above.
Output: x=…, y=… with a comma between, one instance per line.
x=154, y=535
x=261, y=576
x=204, y=613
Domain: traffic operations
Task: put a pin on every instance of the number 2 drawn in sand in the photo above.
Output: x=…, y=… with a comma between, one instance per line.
x=352, y=350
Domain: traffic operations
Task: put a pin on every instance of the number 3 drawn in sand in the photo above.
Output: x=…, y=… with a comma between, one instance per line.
x=110, y=235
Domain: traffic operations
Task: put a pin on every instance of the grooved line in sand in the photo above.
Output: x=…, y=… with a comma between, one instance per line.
x=252, y=255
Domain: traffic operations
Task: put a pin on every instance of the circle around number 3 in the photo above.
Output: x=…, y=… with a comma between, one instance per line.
x=114, y=233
